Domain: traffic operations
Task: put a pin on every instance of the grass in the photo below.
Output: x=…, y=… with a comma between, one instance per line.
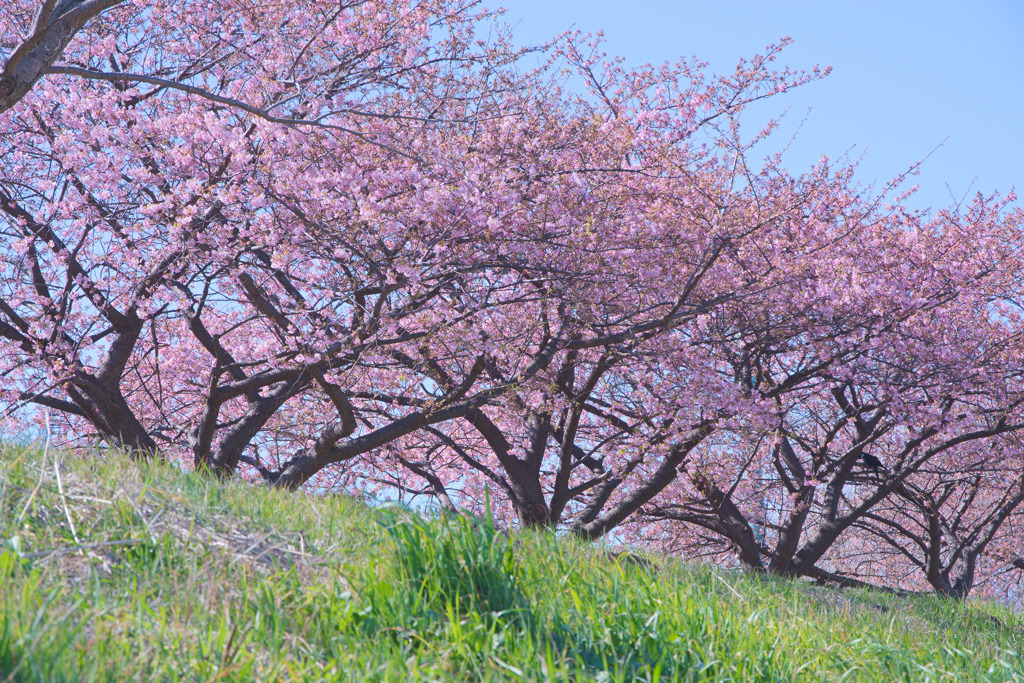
x=112, y=571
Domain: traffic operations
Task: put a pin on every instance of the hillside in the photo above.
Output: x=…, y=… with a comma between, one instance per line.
x=113, y=571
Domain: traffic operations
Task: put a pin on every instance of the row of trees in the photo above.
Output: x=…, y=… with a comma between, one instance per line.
x=374, y=247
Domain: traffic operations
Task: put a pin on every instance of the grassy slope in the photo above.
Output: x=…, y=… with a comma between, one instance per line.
x=165, y=576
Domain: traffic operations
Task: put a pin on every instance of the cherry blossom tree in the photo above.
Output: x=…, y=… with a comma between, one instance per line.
x=362, y=246
x=916, y=373
x=553, y=446
x=148, y=209
x=952, y=523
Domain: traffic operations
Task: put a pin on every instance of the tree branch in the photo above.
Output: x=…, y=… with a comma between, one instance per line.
x=55, y=24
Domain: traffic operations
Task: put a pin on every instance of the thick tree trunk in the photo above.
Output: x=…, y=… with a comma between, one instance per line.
x=55, y=24
x=101, y=401
x=734, y=524
x=108, y=411
x=789, y=538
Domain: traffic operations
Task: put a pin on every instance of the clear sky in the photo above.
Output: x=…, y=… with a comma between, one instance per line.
x=906, y=75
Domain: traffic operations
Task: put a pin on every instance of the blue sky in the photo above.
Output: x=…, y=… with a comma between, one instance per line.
x=906, y=75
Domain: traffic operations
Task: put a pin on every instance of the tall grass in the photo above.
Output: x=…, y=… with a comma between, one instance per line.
x=454, y=564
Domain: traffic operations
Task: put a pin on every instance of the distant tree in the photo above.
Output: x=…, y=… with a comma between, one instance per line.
x=919, y=371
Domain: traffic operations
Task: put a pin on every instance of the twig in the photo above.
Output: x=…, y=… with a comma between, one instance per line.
x=64, y=500
x=85, y=546
x=90, y=499
x=60, y=486
x=245, y=553
x=726, y=584
x=42, y=475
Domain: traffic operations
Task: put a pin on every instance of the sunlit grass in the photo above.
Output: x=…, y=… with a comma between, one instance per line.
x=127, y=572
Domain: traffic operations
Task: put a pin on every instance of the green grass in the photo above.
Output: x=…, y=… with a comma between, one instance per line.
x=121, y=572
